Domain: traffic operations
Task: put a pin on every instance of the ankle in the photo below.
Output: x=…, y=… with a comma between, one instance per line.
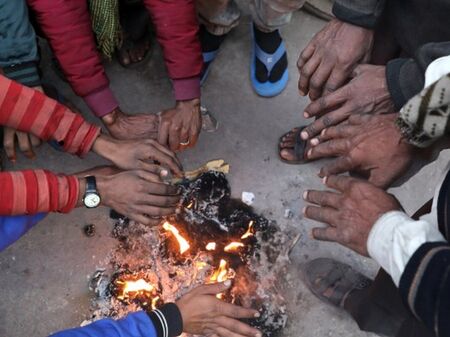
x=267, y=41
x=209, y=41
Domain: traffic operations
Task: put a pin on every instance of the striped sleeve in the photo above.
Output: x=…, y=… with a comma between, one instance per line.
x=36, y=191
x=425, y=286
x=29, y=110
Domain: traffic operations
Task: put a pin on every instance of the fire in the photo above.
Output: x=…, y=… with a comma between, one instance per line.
x=222, y=274
x=184, y=245
x=200, y=265
x=249, y=231
x=233, y=246
x=211, y=246
x=191, y=204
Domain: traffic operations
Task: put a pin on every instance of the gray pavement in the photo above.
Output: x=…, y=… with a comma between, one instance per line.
x=44, y=276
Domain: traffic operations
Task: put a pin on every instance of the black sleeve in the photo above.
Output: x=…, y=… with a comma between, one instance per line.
x=425, y=286
x=167, y=320
x=363, y=13
x=406, y=76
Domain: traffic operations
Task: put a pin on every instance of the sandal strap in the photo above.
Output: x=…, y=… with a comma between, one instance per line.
x=270, y=60
x=300, y=145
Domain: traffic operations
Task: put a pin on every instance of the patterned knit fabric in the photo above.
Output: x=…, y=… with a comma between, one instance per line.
x=425, y=117
x=106, y=25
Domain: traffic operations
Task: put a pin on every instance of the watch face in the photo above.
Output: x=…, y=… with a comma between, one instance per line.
x=91, y=200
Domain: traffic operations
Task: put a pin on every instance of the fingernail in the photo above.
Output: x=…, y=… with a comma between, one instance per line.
x=227, y=283
x=309, y=153
x=304, y=210
x=314, y=142
x=164, y=173
x=306, y=115
x=305, y=195
x=323, y=132
x=258, y=334
x=257, y=315
x=324, y=180
x=304, y=135
x=301, y=93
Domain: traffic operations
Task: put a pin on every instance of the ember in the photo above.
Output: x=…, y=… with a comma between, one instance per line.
x=200, y=245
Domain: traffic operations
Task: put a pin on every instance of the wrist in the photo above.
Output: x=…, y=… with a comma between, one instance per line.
x=192, y=103
x=81, y=191
x=104, y=146
x=102, y=188
x=112, y=117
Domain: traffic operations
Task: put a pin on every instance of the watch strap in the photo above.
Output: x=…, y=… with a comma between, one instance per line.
x=91, y=185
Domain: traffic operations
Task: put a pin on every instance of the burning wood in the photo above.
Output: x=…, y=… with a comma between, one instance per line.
x=164, y=264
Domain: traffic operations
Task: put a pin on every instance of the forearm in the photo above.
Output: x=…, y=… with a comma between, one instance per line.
x=363, y=13
x=38, y=191
x=31, y=111
x=165, y=322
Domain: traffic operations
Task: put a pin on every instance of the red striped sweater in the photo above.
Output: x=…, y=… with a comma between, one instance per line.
x=34, y=191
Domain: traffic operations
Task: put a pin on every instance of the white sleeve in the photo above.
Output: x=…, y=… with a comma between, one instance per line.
x=394, y=239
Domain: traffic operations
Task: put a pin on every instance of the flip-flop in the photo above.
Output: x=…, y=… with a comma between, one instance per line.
x=208, y=58
x=300, y=146
x=267, y=89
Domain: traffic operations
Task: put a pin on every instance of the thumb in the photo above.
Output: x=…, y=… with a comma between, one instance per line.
x=215, y=288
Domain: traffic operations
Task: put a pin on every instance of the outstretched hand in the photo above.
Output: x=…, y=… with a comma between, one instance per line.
x=370, y=145
x=204, y=314
x=350, y=213
x=366, y=93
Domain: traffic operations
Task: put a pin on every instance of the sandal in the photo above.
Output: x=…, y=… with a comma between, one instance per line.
x=300, y=148
x=267, y=89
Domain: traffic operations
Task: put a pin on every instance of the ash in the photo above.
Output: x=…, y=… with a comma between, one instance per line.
x=208, y=214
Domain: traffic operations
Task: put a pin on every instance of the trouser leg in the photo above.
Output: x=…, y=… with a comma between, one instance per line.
x=380, y=308
x=218, y=16
x=270, y=15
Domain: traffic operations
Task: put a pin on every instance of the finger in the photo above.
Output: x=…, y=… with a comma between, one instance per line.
x=331, y=118
x=330, y=148
x=321, y=214
x=234, y=311
x=165, y=160
x=325, y=103
x=223, y=332
x=25, y=145
x=174, y=138
x=358, y=119
x=337, y=78
x=149, y=177
x=340, y=183
x=140, y=218
x=342, y=130
x=318, y=80
x=325, y=234
x=163, y=132
x=155, y=211
x=305, y=55
x=213, y=289
x=153, y=168
x=185, y=138
x=340, y=165
x=165, y=150
x=161, y=189
x=160, y=201
x=306, y=72
x=35, y=141
x=322, y=198
x=236, y=326
x=194, y=133
x=9, y=143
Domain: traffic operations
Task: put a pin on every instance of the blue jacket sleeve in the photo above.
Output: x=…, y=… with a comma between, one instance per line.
x=137, y=324
x=13, y=227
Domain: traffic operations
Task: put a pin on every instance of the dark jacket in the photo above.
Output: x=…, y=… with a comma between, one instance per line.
x=420, y=28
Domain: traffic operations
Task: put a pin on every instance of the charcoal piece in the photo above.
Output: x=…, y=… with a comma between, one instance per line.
x=116, y=215
x=89, y=230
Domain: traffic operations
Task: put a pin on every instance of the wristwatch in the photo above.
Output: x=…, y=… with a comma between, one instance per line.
x=91, y=197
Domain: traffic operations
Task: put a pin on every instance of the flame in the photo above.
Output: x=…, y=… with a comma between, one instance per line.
x=233, y=246
x=249, y=231
x=134, y=288
x=184, y=245
x=211, y=246
x=155, y=302
x=220, y=275
x=200, y=265
x=190, y=205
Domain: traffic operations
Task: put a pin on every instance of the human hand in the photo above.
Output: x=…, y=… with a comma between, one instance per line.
x=26, y=142
x=179, y=127
x=349, y=214
x=126, y=127
x=139, y=195
x=136, y=154
x=330, y=57
x=204, y=314
x=370, y=145
x=366, y=93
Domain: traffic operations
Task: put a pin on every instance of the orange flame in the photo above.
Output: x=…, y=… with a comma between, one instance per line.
x=211, y=246
x=221, y=275
x=249, y=231
x=184, y=245
x=233, y=246
x=200, y=265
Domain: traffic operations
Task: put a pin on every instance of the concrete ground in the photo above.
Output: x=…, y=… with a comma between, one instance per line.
x=44, y=276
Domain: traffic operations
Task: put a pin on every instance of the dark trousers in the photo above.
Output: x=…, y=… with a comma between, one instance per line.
x=380, y=308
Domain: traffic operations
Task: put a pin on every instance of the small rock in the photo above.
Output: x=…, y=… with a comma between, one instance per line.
x=89, y=230
x=288, y=214
x=248, y=198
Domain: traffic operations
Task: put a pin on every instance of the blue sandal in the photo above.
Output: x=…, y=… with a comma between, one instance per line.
x=267, y=89
x=208, y=58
